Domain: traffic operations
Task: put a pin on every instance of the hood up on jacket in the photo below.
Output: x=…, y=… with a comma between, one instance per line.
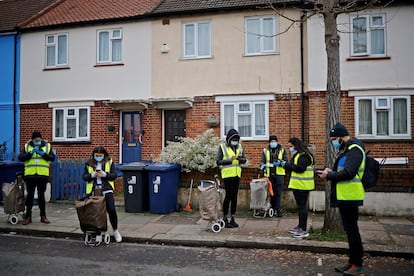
x=232, y=133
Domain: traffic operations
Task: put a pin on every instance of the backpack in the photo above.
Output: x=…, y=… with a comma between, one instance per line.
x=371, y=172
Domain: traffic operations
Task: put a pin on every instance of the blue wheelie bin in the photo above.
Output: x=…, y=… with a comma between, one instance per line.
x=135, y=187
x=163, y=181
x=8, y=173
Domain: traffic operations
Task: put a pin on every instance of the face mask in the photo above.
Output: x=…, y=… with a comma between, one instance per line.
x=273, y=145
x=336, y=144
x=99, y=158
x=292, y=149
x=37, y=143
x=234, y=143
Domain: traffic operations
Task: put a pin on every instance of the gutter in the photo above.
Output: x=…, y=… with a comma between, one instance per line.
x=302, y=84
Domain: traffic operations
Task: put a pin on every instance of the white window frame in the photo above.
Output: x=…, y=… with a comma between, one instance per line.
x=196, y=40
x=65, y=107
x=56, y=46
x=374, y=109
x=112, y=38
x=252, y=100
x=369, y=27
x=262, y=51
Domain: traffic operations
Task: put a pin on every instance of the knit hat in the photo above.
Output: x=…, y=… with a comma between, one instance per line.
x=338, y=130
x=272, y=137
x=36, y=134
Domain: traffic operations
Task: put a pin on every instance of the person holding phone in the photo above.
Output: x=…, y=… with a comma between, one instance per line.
x=99, y=173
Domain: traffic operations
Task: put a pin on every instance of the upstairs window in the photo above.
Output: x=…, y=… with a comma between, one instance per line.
x=110, y=46
x=383, y=117
x=368, y=35
x=197, y=40
x=260, y=35
x=56, y=50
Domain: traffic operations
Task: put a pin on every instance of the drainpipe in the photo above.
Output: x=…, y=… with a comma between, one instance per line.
x=15, y=97
x=302, y=84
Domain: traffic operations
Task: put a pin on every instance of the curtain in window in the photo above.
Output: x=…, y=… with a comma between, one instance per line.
x=83, y=122
x=50, y=56
x=365, y=116
x=359, y=33
x=189, y=47
x=204, y=39
x=62, y=49
x=116, y=50
x=377, y=41
x=268, y=32
x=71, y=128
x=103, y=46
x=245, y=125
x=228, y=118
x=259, y=119
x=382, y=123
x=400, y=116
x=59, y=123
x=253, y=36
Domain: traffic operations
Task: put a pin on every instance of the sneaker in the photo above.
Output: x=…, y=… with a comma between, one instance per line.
x=354, y=270
x=342, y=267
x=227, y=224
x=98, y=238
x=301, y=234
x=294, y=230
x=233, y=222
x=117, y=236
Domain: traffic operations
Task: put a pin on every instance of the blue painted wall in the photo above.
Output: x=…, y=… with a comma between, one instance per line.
x=9, y=81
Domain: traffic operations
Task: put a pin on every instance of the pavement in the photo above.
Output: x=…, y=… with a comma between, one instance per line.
x=381, y=236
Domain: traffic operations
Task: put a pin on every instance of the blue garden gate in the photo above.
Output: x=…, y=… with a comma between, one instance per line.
x=67, y=182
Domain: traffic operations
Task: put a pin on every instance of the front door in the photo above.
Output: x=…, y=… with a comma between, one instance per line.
x=174, y=125
x=131, y=137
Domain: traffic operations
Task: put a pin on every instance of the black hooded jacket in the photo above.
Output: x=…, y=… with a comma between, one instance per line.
x=230, y=135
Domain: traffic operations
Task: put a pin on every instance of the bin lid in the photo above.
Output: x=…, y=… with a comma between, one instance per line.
x=162, y=167
x=133, y=166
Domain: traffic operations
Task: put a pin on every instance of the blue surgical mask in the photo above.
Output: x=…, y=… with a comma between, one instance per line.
x=37, y=143
x=292, y=149
x=336, y=144
x=234, y=143
x=273, y=145
x=99, y=158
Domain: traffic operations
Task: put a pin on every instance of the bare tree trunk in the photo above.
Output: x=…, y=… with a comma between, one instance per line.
x=332, y=221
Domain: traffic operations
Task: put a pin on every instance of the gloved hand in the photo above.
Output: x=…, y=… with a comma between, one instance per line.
x=262, y=167
x=276, y=163
x=33, y=151
x=282, y=163
x=41, y=152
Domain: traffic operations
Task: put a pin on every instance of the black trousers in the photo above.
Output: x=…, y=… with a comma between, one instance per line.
x=31, y=185
x=277, y=185
x=110, y=209
x=231, y=185
x=349, y=216
x=301, y=198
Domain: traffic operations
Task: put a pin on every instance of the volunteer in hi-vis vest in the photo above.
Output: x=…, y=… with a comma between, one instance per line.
x=99, y=173
x=270, y=161
x=347, y=191
x=36, y=155
x=301, y=182
x=230, y=156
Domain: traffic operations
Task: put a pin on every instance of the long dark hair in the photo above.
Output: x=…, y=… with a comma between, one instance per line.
x=300, y=146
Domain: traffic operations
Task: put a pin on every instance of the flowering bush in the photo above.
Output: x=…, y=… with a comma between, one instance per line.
x=193, y=154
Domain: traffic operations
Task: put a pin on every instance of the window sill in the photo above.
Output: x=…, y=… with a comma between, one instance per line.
x=56, y=68
x=368, y=58
x=260, y=54
x=195, y=58
x=108, y=64
x=70, y=142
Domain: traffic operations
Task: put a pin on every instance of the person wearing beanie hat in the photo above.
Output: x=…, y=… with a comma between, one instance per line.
x=36, y=155
x=270, y=161
x=230, y=156
x=347, y=192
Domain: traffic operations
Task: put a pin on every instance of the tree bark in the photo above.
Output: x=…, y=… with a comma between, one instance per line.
x=332, y=221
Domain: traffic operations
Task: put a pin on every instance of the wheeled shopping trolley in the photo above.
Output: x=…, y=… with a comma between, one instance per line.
x=260, y=193
x=13, y=196
x=209, y=195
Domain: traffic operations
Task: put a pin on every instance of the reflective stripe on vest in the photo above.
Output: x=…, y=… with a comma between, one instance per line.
x=304, y=180
x=37, y=165
x=107, y=169
x=279, y=170
x=352, y=189
x=233, y=169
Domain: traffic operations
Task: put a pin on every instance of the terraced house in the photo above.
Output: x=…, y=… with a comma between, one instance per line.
x=132, y=75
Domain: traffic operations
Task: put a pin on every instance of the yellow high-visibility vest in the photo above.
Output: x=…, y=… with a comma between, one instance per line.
x=279, y=170
x=37, y=165
x=233, y=169
x=304, y=180
x=107, y=169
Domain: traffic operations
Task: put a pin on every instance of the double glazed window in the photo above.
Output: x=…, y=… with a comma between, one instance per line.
x=197, y=40
x=368, y=35
x=71, y=124
x=260, y=35
x=109, y=46
x=383, y=117
x=56, y=50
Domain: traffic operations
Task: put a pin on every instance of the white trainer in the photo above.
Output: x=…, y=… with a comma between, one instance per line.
x=98, y=238
x=117, y=236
